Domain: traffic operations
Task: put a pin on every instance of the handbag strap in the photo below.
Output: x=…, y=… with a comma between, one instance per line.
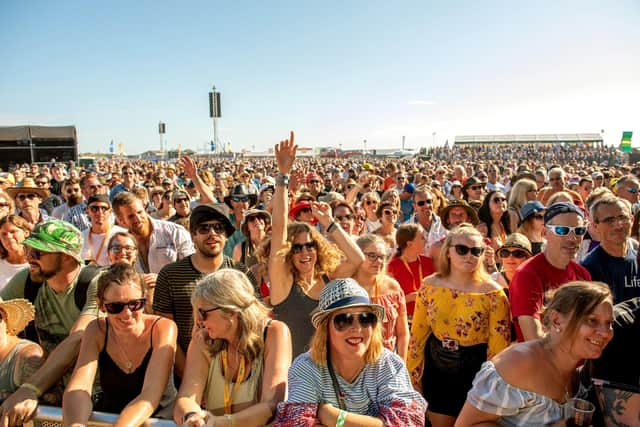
x=336, y=387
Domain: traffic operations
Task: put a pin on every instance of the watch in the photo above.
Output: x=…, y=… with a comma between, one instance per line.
x=282, y=180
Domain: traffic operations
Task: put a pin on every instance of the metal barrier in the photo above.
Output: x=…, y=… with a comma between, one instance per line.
x=51, y=416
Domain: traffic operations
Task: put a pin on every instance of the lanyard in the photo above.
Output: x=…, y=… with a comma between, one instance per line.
x=228, y=394
x=413, y=278
x=104, y=239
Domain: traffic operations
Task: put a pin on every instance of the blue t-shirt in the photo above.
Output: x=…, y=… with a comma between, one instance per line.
x=621, y=274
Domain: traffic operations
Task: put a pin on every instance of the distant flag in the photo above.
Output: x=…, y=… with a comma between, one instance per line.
x=625, y=144
x=213, y=146
x=111, y=147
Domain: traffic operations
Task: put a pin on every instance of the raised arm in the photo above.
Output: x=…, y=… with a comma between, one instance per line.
x=76, y=401
x=191, y=170
x=354, y=256
x=155, y=378
x=281, y=278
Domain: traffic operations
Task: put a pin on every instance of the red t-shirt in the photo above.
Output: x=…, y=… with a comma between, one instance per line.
x=532, y=280
x=410, y=281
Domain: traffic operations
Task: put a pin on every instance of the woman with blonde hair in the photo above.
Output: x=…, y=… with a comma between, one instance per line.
x=237, y=361
x=348, y=378
x=386, y=291
x=461, y=320
x=523, y=191
x=7, y=205
x=302, y=260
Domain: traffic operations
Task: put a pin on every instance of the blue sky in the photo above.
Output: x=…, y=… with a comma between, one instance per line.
x=335, y=72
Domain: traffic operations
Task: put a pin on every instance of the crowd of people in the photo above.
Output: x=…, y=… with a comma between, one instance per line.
x=469, y=286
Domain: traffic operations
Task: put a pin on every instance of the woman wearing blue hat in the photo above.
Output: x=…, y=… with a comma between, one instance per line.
x=532, y=224
x=348, y=378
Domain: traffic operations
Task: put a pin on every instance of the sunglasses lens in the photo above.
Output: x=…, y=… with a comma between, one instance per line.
x=344, y=321
x=117, y=307
x=561, y=230
x=461, y=249
x=114, y=307
x=580, y=231
x=367, y=319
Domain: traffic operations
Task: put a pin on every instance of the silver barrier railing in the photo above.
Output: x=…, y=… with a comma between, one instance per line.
x=51, y=416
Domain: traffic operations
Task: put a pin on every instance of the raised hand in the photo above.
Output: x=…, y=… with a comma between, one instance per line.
x=322, y=211
x=286, y=154
x=189, y=166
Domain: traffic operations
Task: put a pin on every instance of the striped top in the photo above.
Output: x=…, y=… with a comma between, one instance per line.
x=517, y=407
x=382, y=390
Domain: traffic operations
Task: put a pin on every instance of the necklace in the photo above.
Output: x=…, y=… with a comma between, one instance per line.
x=128, y=365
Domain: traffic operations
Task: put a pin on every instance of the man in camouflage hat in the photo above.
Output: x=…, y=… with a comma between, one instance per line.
x=64, y=296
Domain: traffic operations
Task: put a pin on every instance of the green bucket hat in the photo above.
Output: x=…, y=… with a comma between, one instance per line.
x=56, y=235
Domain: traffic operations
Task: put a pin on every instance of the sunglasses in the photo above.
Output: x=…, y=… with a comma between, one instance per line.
x=180, y=200
x=347, y=217
x=370, y=202
x=305, y=210
x=117, y=249
x=462, y=250
x=296, y=248
x=217, y=228
x=242, y=199
x=499, y=199
x=99, y=208
x=203, y=313
x=564, y=230
x=475, y=187
x=35, y=253
x=344, y=321
x=373, y=257
x=29, y=196
x=424, y=202
x=117, y=307
x=518, y=253
x=4, y=205
x=632, y=190
x=390, y=212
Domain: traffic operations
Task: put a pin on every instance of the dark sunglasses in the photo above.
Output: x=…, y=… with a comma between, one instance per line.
x=217, y=228
x=370, y=202
x=564, y=230
x=242, y=199
x=390, y=212
x=341, y=218
x=29, y=196
x=305, y=210
x=424, y=202
x=180, y=200
x=99, y=208
x=203, y=313
x=117, y=307
x=35, y=253
x=475, y=187
x=344, y=321
x=296, y=248
x=462, y=250
x=499, y=199
x=518, y=253
x=373, y=257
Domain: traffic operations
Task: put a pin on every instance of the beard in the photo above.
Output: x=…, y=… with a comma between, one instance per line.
x=208, y=251
x=74, y=199
x=39, y=275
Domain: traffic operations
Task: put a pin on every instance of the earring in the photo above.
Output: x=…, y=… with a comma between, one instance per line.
x=557, y=329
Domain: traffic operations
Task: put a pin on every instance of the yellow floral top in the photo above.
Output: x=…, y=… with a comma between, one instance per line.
x=469, y=317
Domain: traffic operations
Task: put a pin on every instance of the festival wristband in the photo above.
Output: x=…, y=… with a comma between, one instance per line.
x=342, y=416
x=186, y=416
x=331, y=227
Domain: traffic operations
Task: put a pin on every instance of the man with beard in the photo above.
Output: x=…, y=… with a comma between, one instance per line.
x=615, y=260
x=159, y=242
x=210, y=227
x=72, y=195
x=553, y=267
x=77, y=215
x=64, y=298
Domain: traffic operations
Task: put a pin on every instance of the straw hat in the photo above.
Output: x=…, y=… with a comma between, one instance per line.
x=28, y=186
x=343, y=293
x=17, y=314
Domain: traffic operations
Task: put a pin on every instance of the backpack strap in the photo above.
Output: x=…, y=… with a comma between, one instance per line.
x=87, y=273
x=31, y=290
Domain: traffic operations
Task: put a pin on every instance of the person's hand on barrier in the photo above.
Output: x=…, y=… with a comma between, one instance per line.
x=19, y=408
x=198, y=419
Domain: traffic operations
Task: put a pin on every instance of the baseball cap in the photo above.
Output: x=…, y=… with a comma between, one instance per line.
x=561, y=208
x=56, y=235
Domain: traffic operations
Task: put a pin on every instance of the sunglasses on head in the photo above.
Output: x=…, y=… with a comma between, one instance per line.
x=117, y=307
x=296, y=248
x=347, y=217
x=242, y=199
x=29, y=196
x=203, y=313
x=373, y=257
x=518, y=253
x=424, y=202
x=217, y=228
x=344, y=321
x=564, y=230
x=99, y=208
x=462, y=250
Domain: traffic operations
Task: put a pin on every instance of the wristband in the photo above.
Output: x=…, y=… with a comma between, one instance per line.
x=282, y=180
x=342, y=416
x=331, y=227
x=231, y=422
x=32, y=387
x=186, y=416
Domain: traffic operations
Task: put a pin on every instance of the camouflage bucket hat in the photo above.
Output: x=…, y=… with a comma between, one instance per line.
x=56, y=236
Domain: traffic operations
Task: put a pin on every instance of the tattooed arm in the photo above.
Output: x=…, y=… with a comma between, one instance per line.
x=620, y=408
x=30, y=358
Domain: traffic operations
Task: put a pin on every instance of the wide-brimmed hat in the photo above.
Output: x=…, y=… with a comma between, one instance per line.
x=28, y=186
x=241, y=190
x=343, y=293
x=529, y=209
x=444, y=212
x=519, y=241
x=208, y=212
x=56, y=236
x=18, y=313
x=266, y=216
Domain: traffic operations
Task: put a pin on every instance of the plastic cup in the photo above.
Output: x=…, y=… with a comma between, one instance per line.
x=580, y=412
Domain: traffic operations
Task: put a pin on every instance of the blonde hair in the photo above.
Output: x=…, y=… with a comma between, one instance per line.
x=518, y=193
x=231, y=291
x=320, y=342
x=444, y=262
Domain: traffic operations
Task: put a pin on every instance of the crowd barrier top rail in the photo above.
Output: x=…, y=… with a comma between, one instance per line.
x=51, y=416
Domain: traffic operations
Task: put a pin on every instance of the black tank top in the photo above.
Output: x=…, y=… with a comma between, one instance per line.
x=118, y=387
